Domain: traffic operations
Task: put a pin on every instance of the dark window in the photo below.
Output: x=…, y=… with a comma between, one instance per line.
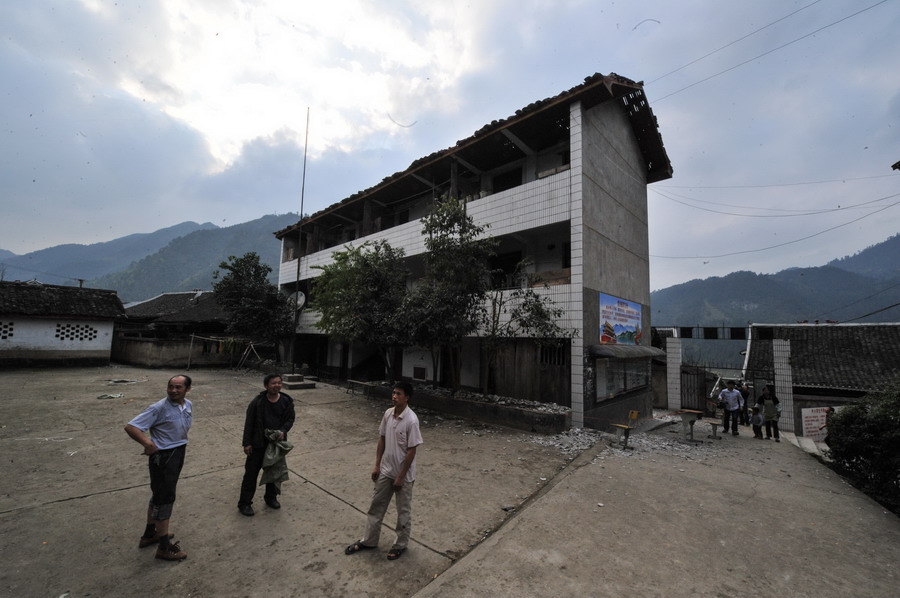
x=508, y=180
x=503, y=269
x=618, y=376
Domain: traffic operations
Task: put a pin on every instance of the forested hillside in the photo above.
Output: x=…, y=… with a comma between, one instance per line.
x=188, y=263
x=66, y=264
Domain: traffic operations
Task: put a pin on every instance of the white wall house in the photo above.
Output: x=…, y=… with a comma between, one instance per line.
x=44, y=324
x=563, y=184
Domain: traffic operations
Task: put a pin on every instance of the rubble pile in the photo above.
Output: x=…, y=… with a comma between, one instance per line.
x=500, y=400
x=643, y=445
x=570, y=441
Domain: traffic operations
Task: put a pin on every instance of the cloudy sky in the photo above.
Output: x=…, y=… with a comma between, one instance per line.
x=781, y=118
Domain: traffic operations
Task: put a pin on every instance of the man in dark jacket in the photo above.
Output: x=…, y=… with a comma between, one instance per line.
x=269, y=410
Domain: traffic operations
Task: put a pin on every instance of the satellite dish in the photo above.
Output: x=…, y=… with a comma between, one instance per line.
x=300, y=298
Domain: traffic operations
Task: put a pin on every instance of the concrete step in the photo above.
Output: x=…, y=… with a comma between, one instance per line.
x=299, y=385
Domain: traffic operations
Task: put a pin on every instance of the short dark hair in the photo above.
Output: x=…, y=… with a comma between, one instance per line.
x=187, y=379
x=406, y=387
x=270, y=377
x=729, y=382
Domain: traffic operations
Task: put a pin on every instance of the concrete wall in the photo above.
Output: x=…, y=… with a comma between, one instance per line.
x=43, y=341
x=156, y=353
x=614, y=244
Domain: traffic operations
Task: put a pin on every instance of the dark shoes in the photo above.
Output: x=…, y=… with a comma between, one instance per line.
x=734, y=433
x=357, y=547
x=246, y=510
x=394, y=553
x=273, y=503
x=172, y=552
x=145, y=542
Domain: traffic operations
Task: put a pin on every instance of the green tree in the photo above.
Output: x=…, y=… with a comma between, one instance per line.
x=359, y=296
x=256, y=308
x=443, y=308
x=513, y=313
x=864, y=443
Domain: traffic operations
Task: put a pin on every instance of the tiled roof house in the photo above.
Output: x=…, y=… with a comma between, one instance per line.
x=819, y=365
x=173, y=329
x=52, y=324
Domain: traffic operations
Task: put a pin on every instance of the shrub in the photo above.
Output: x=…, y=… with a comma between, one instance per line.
x=864, y=439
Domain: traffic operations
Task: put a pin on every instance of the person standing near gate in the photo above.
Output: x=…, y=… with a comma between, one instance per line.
x=270, y=410
x=733, y=402
x=771, y=410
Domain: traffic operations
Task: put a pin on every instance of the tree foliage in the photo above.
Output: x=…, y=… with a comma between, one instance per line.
x=864, y=442
x=256, y=308
x=359, y=297
x=444, y=306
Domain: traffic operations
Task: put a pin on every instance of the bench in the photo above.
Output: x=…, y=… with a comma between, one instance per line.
x=625, y=429
x=714, y=424
x=359, y=385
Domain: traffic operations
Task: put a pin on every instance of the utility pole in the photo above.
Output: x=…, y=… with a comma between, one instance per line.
x=299, y=256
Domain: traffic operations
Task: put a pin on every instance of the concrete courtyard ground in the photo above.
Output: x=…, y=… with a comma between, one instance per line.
x=496, y=512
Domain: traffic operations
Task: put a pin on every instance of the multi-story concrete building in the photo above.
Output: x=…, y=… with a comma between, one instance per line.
x=563, y=183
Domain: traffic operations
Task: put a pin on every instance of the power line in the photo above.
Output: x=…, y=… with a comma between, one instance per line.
x=794, y=213
x=749, y=60
x=864, y=178
x=872, y=313
x=732, y=43
x=691, y=257
x=831, y=311
x=8, y=265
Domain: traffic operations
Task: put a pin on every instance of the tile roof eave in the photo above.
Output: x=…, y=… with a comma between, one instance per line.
x=609, y=82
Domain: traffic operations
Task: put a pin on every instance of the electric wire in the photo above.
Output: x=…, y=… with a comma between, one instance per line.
x=740, y=39
x=836, y=309
x=792, y=215
x=797, y=184
x=872, y=313
x=822, y=232
x=766, y=53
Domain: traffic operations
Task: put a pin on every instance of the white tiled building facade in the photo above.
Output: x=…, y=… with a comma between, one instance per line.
x=563, y=184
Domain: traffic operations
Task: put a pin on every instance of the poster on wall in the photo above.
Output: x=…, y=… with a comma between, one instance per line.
x=620, y=321
x=814, y=422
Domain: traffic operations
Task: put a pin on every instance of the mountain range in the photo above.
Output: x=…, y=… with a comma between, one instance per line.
x=178, y=258
x=864, y=287
x=856, y=288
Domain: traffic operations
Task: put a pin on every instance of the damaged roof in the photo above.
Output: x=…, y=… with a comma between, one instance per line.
x=832, y=356
x=540, y=123
x=182, y=307
x=55, y=301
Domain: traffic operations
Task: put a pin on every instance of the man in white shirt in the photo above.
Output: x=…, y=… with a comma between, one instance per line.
x=394, y=473
x=734, y=402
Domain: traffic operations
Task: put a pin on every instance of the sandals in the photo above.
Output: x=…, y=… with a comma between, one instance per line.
x=394, y=553
x=357, y=547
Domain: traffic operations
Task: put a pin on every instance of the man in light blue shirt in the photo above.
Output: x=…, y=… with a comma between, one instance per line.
x=167, y=422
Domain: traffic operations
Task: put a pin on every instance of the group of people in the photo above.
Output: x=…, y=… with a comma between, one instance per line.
x=162, y=429
x=766, y=412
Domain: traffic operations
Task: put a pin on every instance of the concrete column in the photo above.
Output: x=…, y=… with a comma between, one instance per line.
x=576, y=235
x=673, y=373
x=784, y=383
